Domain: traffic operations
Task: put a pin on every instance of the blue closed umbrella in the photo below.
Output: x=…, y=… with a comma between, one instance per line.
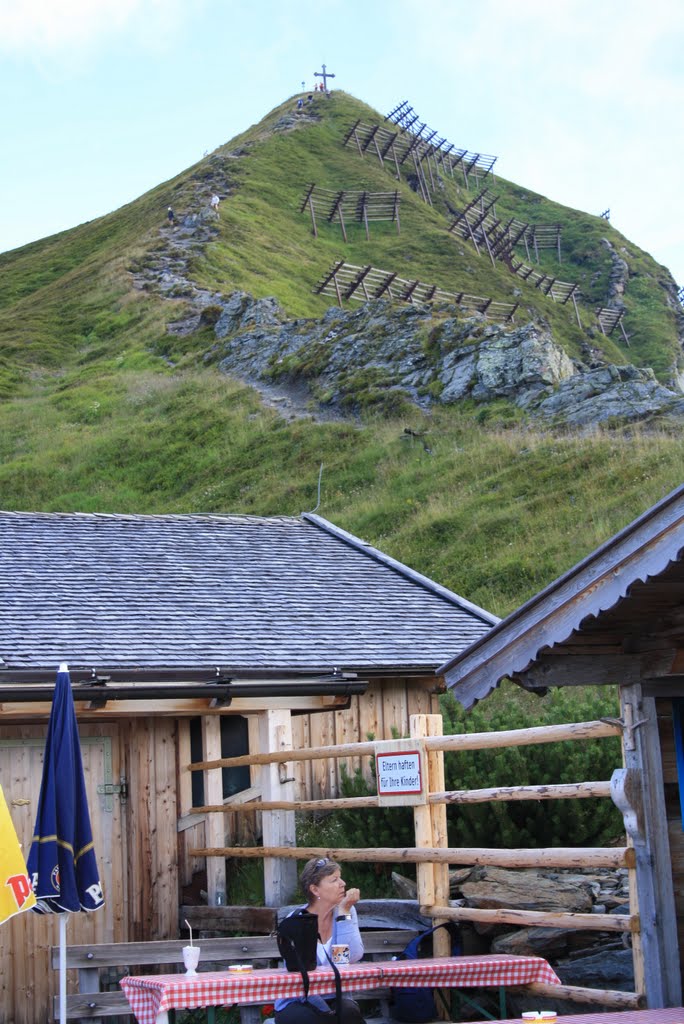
x=62, y=865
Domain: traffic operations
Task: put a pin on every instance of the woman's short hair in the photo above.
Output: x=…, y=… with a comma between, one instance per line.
x=313, y=871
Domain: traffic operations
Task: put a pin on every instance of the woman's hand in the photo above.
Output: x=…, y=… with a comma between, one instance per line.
x=351, y=897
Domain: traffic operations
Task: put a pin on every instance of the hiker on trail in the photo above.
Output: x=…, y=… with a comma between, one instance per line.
x=214, y=202
x=172, y=217
x=300, y=103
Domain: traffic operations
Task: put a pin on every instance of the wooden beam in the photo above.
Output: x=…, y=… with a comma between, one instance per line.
x=536, y=918
x=545, y=857
x=120, y=709
x=261, y=920
x=422, y=827
x=561, y=791
x=440, y=834
x=359, y=281
x=577, y=994
x=313, y=217
x=460, y=741
x=255, y=803
x=307, y=197
x=572, y=669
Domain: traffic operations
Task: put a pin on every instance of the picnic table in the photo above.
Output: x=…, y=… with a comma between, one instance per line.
x=152, y=996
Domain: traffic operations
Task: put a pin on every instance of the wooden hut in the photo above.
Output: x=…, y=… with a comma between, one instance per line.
x=617, y=618
x=192, y=637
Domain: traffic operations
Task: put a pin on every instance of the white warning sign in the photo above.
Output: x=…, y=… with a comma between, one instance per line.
x=399, y=773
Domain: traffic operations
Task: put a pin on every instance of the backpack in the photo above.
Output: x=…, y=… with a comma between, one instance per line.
x=297, y=936
x=417, y=1005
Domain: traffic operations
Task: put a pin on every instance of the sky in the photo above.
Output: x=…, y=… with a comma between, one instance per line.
x=580, y=100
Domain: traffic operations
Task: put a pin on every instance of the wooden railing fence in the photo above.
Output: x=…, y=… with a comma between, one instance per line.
x=431, y=852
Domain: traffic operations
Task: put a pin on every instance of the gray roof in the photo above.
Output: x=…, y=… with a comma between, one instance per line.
x=599, y=587
x=236, y=592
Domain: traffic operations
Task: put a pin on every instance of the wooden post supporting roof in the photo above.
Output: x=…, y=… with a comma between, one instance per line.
x=280, y=877
x=642, y=803
x=213, y=793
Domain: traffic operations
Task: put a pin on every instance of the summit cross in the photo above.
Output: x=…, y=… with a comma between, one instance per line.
x=325, y=75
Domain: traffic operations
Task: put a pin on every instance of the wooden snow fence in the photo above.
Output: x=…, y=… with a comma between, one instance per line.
x=347, y=281
x=477, y=222
x=609, y=319
x=424, y=152
x=479, y=164
x=431, y=852
x=350, y=205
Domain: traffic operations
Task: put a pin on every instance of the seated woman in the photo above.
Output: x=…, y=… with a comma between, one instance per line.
x=327, y=897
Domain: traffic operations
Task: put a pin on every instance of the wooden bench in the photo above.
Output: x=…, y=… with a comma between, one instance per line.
x=262, y=950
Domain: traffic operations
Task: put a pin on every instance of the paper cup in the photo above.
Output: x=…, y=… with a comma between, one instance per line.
x=191, y=955
x=340, y=953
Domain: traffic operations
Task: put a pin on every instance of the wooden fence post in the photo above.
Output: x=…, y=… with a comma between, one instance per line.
x=432, y=725
x=422, y=824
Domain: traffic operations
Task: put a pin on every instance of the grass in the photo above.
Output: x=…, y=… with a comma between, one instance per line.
x=495, y=512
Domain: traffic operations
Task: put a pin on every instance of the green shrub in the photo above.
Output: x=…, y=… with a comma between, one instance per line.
x=532, y=823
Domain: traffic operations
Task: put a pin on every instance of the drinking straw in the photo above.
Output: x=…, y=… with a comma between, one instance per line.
x=189, y=929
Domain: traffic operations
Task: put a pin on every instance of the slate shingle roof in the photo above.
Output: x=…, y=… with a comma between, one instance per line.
x=240, y=592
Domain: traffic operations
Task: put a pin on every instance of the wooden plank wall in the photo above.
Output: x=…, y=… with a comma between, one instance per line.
x=27, y=982
x=674, y=812
x=386, y=706
x=150, y=759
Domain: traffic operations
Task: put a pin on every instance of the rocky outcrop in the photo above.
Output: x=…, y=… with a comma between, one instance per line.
x=379, y=352
x=610, y=394
x=383, y=355
x=619, y=276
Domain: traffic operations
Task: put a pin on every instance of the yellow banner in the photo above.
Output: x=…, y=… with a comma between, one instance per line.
x=16, y=893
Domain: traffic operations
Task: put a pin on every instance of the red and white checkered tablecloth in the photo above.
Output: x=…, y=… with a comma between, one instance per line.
x=150, y=995
x=468, y=972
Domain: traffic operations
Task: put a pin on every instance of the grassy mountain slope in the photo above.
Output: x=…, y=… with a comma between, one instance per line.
x=102, y=410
